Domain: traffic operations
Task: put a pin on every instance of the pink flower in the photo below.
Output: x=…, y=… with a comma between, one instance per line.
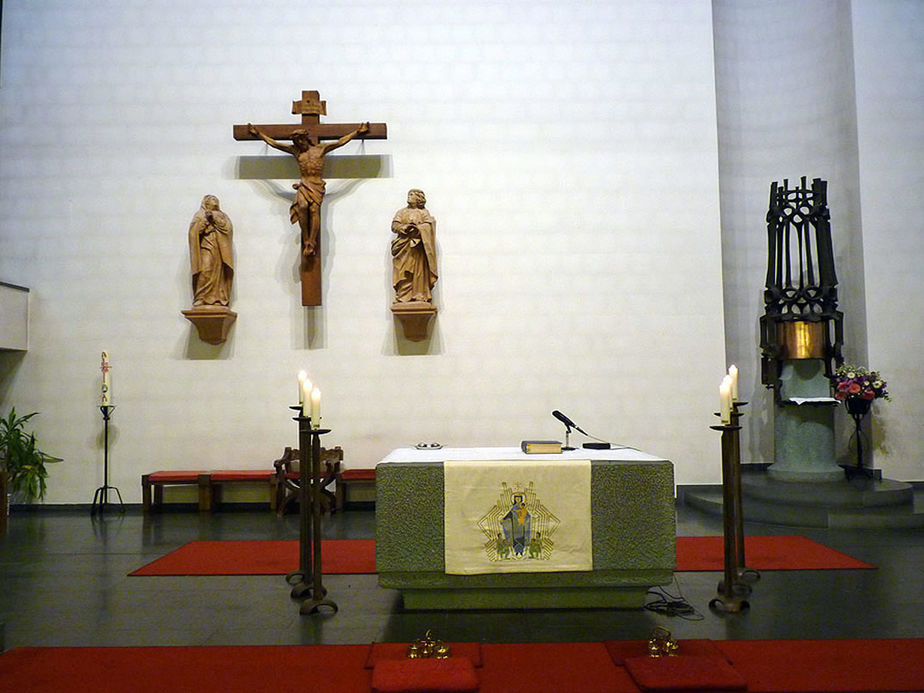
x=869, y=394
x=853, y=389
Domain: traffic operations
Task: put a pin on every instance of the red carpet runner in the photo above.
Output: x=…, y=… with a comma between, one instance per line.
x=596, y=667
x=354, y=556
x=764, y=553
x=338, y=556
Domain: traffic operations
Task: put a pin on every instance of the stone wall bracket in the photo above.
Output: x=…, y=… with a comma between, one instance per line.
x=212, y=322
x=415, y=317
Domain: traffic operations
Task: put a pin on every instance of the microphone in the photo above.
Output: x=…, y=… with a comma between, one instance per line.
x=568, y=422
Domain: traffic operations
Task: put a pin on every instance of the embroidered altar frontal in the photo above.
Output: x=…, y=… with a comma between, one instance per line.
x=632, y=531
x=516, y=516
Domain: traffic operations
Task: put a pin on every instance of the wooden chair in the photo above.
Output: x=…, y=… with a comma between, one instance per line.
x=287, y=477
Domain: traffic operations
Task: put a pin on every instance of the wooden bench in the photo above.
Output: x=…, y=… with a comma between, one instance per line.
x=281, y=481
x=353, y=478
x=152, y=487
x=216, y=480
x=208, y=484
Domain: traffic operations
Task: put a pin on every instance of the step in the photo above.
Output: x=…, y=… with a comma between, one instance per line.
x=799, y=514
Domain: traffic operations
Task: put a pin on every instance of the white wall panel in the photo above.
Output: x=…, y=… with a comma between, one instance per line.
x=889, y=40
x=786, y=109
x=568, y=153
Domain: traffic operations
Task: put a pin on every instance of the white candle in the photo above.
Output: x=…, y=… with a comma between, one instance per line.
x=302, y=377
x=725, y=400
x=305, y=397
x=733, y=374
x=316, y=408
x=106, y=398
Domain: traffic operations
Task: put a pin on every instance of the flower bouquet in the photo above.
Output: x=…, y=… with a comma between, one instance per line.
x=857, y=387
x=855, y=382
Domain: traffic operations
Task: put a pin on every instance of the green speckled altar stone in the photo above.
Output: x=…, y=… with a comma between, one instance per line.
x=409, y=517
x=803, y=434
x=632, y=511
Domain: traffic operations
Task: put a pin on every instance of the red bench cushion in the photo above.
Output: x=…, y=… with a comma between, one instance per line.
x=358, y=475
x=176, y=477
x=243, y=475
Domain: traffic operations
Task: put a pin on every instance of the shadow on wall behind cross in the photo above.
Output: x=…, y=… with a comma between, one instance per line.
x=349, y=166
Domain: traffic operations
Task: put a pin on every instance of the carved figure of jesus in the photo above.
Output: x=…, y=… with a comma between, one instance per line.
x=413, y=251
x=309, y=152
x=210, y=233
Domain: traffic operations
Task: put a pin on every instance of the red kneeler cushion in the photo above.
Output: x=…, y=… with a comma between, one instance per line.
x=452, y=675
x=684, y=673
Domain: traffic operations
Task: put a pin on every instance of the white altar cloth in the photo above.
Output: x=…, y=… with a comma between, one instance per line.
x=410, y=455
x=515, y=516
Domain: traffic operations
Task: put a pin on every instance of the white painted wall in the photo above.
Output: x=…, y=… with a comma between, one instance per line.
x=14, y=317
x=568, y=152
x=829, y=89
x=889, y=48
x=786, y=109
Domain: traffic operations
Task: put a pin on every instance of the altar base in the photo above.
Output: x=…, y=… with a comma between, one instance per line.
x=632, y=515
x=548, y=598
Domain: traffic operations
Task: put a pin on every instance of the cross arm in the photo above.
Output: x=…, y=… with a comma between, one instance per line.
x=323, y=131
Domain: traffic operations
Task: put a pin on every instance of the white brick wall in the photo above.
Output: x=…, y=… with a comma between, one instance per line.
x=568, y=152
x=889, y=40
x=833, y=90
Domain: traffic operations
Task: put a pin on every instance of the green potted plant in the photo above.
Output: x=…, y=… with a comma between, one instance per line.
x=21, y=459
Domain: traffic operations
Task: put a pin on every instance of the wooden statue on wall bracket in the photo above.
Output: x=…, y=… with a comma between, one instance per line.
x=413, y=252
x=212, y=265
x=309, y=153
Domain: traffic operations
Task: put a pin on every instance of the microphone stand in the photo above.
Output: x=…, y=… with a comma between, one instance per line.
x=567, y=445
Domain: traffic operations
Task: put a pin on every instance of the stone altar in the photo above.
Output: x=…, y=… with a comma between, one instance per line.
x=633, y=530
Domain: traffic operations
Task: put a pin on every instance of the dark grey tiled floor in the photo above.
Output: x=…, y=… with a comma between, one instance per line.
x=64, y=579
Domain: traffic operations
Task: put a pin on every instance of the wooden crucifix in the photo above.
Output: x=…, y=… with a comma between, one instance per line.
x=309, y=152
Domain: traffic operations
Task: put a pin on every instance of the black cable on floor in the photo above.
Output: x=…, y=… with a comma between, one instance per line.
x=667, y=604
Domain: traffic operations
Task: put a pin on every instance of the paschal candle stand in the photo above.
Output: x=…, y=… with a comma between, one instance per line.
x=101, y=497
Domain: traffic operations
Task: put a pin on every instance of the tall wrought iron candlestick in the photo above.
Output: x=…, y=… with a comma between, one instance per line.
x=101, y=497
x=744, y=575
x=310, y=574
x=728, y=598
